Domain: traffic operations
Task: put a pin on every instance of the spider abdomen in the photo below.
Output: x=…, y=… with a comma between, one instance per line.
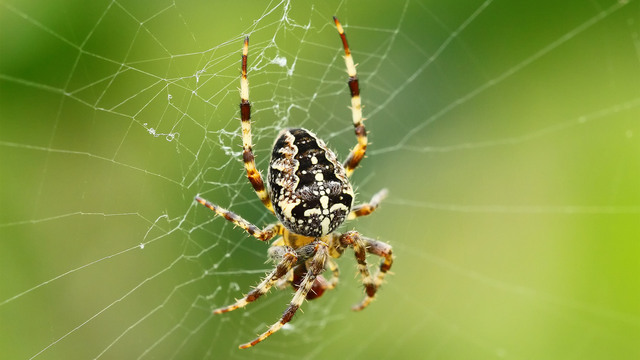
x=309, y=188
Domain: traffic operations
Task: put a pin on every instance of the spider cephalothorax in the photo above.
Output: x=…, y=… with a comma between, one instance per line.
x=310, y=194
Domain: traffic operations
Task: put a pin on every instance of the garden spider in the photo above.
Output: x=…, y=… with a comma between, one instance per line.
x=310, y=194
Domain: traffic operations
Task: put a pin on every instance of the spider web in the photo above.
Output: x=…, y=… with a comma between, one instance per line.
x=507, y=134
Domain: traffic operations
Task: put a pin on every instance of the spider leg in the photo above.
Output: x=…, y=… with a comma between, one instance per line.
x=247, y=150
x=315, y=268
x=383, y=250
x=377, y=248
x=354, y=240
x=275, y=252
x=335, y=273
x=366, y=209
x=289, y=258
x=358, y=152
x=284, y=281
x=321, y=284
x=264, y=235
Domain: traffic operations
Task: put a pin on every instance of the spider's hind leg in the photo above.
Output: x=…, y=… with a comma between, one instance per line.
x=247, y=148
x=358, y=152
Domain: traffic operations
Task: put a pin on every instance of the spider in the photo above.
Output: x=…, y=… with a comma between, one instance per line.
x=310, y=194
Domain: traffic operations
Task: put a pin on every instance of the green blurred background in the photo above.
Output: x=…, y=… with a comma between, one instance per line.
x=508, y=134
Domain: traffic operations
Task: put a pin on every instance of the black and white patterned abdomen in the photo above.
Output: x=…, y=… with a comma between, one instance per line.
x=309, y=188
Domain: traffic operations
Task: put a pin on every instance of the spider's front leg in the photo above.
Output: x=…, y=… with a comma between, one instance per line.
x=321, y=284
x=295, y=277
x=288, y=259
x=315, y=268
x=384, y=251
x=361, y=245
